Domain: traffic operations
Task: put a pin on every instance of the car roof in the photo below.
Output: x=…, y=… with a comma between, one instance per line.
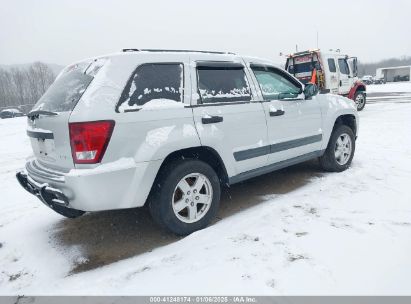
x=167, y=53
x=147, y=54
x=11, y=110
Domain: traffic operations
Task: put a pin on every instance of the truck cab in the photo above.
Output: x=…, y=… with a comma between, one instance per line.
x=332, y=71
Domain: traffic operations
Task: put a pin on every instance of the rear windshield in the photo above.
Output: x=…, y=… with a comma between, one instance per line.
x=67, y=89
x=303, y=67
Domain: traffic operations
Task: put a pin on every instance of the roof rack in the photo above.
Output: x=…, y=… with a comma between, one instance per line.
x=175, y=51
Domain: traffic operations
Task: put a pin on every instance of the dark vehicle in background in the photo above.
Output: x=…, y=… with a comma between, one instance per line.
x=401, y=78
x=10, y=113
x=378, y=81
x=367, y=79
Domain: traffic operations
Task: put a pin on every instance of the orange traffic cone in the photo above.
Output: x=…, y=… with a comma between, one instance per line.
x=314, y=77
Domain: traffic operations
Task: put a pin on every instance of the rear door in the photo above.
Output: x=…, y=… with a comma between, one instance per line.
x=294, y=124
x=226, y=116
x=344, y=74
x=48, y=120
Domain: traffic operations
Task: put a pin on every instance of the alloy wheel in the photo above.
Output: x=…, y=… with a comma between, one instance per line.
x=192, y=197
x=343, y=149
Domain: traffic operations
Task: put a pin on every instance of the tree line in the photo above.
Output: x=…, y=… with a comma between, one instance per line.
x=23, y=87
x=370, y=68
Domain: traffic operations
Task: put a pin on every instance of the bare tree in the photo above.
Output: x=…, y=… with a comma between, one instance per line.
x=24, y=86
x=370, y=68
x=44, y=74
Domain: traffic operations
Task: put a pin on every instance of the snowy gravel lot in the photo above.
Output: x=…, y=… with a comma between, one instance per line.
x=297, y=231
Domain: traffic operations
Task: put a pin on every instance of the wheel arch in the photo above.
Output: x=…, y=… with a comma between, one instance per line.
x=358, y=86
x=203, y=153
x=348, y=120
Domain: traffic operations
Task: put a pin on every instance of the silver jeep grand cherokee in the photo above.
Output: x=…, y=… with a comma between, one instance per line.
x=170, y=128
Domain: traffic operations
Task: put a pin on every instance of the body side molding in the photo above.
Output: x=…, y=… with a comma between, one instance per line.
x=273, y=167
x=260, y=151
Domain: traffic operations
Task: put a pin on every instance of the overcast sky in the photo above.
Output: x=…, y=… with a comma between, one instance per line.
x=65, y=31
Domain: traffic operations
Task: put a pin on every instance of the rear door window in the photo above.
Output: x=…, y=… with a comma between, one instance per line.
x=219, y=83
x=153, y=82
x=67, y=89
x=331, y=65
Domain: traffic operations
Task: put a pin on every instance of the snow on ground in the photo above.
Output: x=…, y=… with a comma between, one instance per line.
x=340, y=234
x=391, y=87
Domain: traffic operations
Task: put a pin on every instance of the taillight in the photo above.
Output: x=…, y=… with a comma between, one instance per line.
x=89, y=140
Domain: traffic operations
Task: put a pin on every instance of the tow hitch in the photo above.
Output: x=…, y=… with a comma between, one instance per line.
x=51, y=197
x=44, y=192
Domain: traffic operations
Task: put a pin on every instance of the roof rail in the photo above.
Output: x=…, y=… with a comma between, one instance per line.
x=130, y=50
x=175, y=51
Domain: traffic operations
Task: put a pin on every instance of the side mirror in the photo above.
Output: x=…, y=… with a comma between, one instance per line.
x=310, y=90
x=355, y=67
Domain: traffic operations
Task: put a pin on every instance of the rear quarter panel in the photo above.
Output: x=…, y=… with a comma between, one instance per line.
x=145, y=135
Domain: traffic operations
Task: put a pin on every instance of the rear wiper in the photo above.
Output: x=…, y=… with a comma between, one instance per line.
x=36, y=113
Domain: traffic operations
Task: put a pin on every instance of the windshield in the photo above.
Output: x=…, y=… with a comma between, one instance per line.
x=66, y=90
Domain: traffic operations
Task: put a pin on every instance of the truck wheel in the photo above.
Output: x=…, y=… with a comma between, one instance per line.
x=185, y=196
x=340, y=150
x=360, y=100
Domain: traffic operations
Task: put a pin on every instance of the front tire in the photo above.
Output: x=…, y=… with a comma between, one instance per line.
x=340, y=150
x=185, y=196
x=360, y=100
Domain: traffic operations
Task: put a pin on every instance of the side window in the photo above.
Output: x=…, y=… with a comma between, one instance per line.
x=331, y=65
x=152, y=82
x=342, y=64
x=222, y=84
x=273, y=83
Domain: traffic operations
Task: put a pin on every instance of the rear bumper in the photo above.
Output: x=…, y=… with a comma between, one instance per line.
x=105, y=187
x=48, y=195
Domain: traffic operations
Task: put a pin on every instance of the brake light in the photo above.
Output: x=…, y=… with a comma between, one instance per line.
x=89, y=140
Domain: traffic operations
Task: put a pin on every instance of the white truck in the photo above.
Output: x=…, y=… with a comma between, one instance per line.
x=331, y=71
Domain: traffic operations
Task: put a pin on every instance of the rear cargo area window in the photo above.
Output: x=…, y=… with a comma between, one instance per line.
x=222, y=84
x=154, y=82
x=66, y=90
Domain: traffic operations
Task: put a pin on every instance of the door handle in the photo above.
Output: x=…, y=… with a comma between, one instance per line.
x=211, y=119
x=277, y=113
x=340, y=83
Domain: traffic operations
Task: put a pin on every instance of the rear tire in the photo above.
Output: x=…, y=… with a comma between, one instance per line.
x=185, y=196
x=360, y=100
x=340, y=150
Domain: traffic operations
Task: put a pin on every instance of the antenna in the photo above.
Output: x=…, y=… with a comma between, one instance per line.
x=317, y=40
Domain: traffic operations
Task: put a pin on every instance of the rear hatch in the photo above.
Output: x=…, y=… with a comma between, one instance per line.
x=48, y=120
